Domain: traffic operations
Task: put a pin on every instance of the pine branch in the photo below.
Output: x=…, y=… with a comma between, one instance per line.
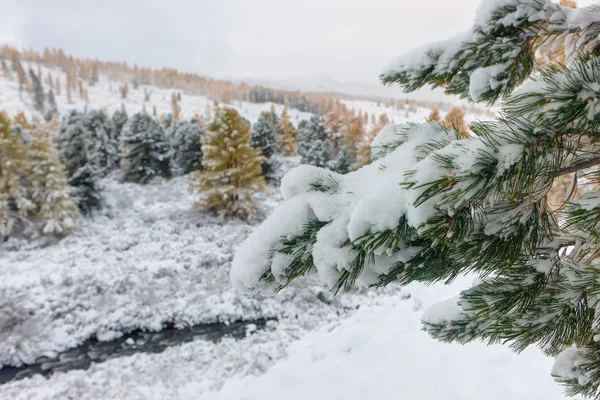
x=578, y=167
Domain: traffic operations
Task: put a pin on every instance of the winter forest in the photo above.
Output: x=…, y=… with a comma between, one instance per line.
x=180, y=235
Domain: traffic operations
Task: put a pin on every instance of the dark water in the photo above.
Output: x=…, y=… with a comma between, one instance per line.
x=135, y=342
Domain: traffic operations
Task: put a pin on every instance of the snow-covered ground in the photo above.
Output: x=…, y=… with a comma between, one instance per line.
x=150, y=259
x=378, y=352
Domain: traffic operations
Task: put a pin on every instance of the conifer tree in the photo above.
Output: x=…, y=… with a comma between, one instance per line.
x=287, y=134
x=436, y=204
x=145, y=152
x=85, y=190
x=52, y=110
x=263, y=137
x=175, y=107
x=232, y=169
x=14, y=203
x=48, y=189
x=38, y=92
x=186, y=142
x=313, y=146
x=119, y=119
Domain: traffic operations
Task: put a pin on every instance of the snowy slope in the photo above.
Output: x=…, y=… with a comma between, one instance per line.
x=380, y=353
x=149, y=259
x=377, y=353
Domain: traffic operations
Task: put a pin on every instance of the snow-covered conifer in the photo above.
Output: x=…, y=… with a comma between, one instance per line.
x=313, y=146
x=39, y=99
x=85, y=190
x=14, y=203
x=263, y=137
x=186, y=141
x=145, y=151
x=437, y=204
x=286, y=134
x=47, y=187
x=232, y=169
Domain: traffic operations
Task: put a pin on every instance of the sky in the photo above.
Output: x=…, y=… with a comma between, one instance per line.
x=278, y=40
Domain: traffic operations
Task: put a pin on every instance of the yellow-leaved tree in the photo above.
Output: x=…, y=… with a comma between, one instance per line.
x=232, y=169
x=14, y=204
x=47, y=186
x=287, y=134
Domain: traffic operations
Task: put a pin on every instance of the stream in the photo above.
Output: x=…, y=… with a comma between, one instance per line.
x=94, y=351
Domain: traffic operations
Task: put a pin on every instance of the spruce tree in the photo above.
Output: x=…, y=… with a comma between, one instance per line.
x=102, y=148
x=263, y=137
x=435, y=204
x=232, y=169
x=313, y=146
x=186, y=142
x=38, y=92
x=145, y=151
x=85, y=190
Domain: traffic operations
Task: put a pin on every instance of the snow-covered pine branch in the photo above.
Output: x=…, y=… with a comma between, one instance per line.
x=434, y=205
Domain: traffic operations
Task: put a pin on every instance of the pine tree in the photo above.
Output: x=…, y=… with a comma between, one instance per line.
x=14, y=204
x=287, y=134
x=38, y=92
x=232, y=169
x=436, y=204
x=186, y=142
x=313, y=146
x=48, y=189
x=145, y=152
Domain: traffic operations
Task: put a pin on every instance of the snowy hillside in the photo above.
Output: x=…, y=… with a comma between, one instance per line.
x=106, y=94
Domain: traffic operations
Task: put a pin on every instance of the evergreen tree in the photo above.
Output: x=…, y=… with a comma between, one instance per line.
x=145, y=152
x=119, y=119
x=48, y=189
x=313, y=146
x=86, y=190
x=287, y=134
x=14, y=203
x=436, y=205
x=186, y=141
x=102, y=147
x=232, y=169
x=38, y=92
x=263, y=137
x=52, y=109
x=73, y=143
